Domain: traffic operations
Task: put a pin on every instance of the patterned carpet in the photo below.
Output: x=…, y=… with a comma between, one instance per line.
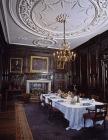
x=23, y=131
x=44, y=129
x=31, y=122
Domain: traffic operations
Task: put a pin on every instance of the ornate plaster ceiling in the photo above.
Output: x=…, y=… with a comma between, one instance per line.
x=85, y=19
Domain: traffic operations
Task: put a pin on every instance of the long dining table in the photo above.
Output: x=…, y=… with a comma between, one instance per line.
x=73, y=112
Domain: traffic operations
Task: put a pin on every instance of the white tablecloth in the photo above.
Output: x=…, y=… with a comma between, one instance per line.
x=72, y=112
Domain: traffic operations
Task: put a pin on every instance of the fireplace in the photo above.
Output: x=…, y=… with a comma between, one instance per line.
x=38, y=85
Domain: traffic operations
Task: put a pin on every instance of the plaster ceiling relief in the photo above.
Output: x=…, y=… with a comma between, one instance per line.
x=38, y=17
x=42, y=42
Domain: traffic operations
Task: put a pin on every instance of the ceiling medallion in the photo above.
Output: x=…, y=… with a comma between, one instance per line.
x=34, y=15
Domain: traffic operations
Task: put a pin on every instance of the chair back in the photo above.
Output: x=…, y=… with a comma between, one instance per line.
x=100, y=112
x=50, y=102
x=43, y=98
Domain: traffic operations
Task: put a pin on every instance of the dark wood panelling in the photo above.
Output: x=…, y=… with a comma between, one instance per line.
x=16, y=80
x=88, y=71
x=92, y=62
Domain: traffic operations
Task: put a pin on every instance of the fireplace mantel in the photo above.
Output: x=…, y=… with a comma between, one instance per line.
x=37, y=81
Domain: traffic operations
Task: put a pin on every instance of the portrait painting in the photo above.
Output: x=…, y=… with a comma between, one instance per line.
x=16, y=65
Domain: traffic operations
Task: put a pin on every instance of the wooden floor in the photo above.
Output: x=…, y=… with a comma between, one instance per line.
x=44, y=129
x=8, y=124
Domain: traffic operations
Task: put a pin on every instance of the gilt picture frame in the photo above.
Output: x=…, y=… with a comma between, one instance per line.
x=16, y=65
x=60, y=64
x=39, y=64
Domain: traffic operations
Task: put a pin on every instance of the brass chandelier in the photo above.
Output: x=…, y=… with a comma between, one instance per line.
x=64, y=54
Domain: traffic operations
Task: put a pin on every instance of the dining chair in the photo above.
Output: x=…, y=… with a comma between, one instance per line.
x=43, y=102
x=53, y=112
x=97, y=114
x=44, y=105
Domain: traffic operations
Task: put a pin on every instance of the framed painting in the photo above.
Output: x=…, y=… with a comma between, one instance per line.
x=39, y=64
x=16, y=65
x=60, y=64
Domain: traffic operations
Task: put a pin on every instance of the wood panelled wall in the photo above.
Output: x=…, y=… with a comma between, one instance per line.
x=89, y=71
x=91, y=66
x=56, y=76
